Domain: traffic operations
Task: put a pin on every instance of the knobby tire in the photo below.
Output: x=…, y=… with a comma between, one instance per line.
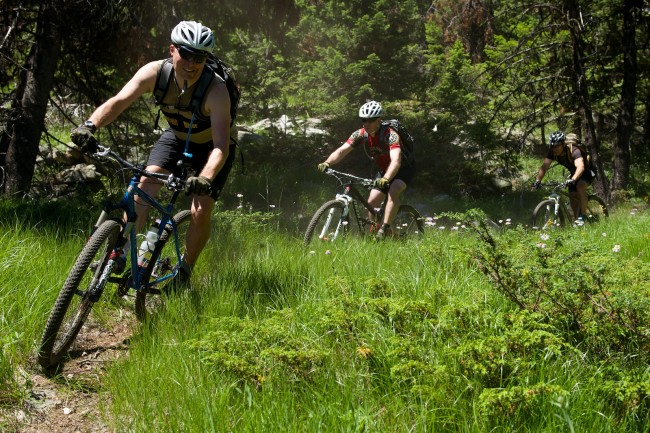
x=74, y=302
x=324, y=230
x=544, y=216
x=162, y=262
x=407, y=223
x=597, y=208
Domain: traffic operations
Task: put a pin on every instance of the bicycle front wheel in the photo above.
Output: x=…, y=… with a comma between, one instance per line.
x=164, y=260
x=596, y=209
x=81, y=290
x=544, y=216
x=408, y=223
x=330, y=222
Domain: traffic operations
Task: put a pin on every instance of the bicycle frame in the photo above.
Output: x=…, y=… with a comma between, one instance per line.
x=349, y=198
x=332, y=218
x=127, y=205
x=556, y=209
x=560, y=205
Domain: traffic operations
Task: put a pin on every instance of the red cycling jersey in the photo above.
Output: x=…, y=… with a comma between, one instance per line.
x=378, y=147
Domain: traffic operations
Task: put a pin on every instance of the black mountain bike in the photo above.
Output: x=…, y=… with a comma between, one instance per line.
x=348, y=212
x=94, y=267
x=555, y=210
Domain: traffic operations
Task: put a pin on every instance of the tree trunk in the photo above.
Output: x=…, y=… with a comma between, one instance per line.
x=581, y=88
x=30, y=104
x=625, y=123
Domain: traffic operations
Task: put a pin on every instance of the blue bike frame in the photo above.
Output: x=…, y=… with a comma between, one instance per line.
x=127, y=205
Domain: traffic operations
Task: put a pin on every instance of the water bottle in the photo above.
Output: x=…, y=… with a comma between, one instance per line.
x=148, y=245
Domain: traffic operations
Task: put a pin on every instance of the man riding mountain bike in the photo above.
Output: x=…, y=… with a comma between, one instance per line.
x=386, y=148
x=566, y=150
x=204, y=134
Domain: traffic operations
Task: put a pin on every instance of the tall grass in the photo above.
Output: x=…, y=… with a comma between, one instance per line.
x=357, y=336
x=33, y=262
x=361, y=336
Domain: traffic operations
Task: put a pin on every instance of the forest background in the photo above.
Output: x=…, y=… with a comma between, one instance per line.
x=480, y=83
x=493, y=78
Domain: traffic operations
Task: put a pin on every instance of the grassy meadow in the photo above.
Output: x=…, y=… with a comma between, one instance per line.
x=465, y=330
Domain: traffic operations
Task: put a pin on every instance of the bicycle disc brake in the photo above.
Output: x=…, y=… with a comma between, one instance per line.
x=123, y=283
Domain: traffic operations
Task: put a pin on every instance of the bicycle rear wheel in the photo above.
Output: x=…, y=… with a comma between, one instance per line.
x=164, y=260
x=596, y=209
x=330, y=222
x=407, y=223
x=544, y=216
x=81, y=290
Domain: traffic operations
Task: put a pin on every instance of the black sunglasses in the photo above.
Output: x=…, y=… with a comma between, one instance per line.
x=190, y=56
x=368, y=119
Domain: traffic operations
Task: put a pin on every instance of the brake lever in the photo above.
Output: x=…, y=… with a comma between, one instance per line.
x=175, y=182
x=102, y=151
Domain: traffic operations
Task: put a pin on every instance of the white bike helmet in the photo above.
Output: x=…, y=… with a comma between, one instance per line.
x=371, y=109
x=193, y=36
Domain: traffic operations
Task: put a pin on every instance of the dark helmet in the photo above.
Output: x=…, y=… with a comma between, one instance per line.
x=556, y=138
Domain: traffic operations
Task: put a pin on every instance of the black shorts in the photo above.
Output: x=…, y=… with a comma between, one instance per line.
x=405, y=174
x=588, y=176
x=168, y=150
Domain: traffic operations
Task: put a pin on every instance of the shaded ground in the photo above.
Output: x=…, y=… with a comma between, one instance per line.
x=72, y=400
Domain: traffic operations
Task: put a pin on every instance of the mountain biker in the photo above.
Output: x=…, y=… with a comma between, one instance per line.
x=566, y=151
x=207, y=138
x=384, y=147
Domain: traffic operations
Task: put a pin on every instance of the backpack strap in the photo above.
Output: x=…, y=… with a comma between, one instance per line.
x=199, y=93
x=366, y=143
x=163, y=80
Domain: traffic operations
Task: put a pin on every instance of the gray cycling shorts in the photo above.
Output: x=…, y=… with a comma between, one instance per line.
x=168, y=150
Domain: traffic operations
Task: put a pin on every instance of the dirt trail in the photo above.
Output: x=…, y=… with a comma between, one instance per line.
x=70, y=402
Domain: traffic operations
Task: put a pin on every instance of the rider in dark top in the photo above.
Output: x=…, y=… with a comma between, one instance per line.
x=566, y=150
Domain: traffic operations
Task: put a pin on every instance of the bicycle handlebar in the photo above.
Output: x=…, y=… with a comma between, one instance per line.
x=348, y=178
x=176, y=183
x=554, y=185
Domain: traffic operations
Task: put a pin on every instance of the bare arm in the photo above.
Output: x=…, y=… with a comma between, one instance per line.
x=395, y=163
x=544, y=167
x=142, y=82
x=218, y=106
x=339, y=154
x=580, y=168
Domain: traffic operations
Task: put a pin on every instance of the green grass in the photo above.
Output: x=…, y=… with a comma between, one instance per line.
x=363, y=336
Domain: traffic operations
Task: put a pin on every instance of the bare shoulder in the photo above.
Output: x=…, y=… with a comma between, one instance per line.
x=145, y=78
x=218, y=91
x=151, y=68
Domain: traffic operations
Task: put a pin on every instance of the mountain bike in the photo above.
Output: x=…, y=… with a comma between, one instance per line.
x=555, y=211
x=112, y=234
x=348, y=212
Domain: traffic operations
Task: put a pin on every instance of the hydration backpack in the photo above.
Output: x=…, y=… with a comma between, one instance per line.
x=408, y=148
x=587, y=156
x=213, y=65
